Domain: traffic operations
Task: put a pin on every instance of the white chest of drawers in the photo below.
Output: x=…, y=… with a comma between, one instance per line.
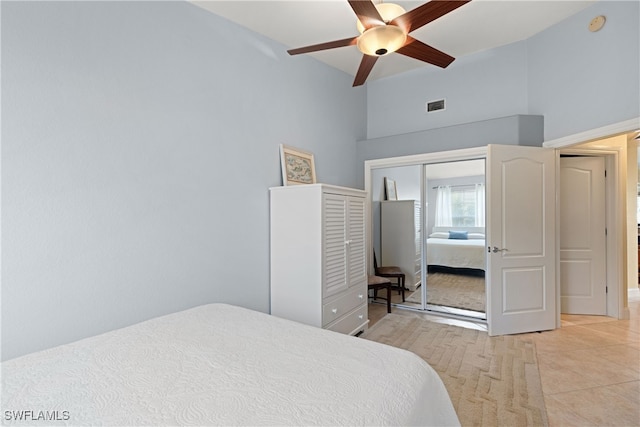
x=318, y=262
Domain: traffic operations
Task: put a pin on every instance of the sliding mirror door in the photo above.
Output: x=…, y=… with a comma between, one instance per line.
x=455, y=238
x=396, y=195
x=429, y=220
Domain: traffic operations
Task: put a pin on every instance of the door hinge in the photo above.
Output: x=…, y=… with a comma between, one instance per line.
x=606, y=289
x=605, y=173
x=606, y=232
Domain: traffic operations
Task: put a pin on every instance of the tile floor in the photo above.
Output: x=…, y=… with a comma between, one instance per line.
x=590, y=368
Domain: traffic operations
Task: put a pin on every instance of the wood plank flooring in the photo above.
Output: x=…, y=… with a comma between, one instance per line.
x=590, y=367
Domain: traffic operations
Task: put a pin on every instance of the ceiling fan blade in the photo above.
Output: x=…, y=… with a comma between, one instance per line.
x=366, y=65
x=324, y=46
x=423, y=52
x=366, y=12
x=426, y=13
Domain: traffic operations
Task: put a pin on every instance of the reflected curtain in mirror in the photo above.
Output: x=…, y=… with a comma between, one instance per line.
x=460, y=205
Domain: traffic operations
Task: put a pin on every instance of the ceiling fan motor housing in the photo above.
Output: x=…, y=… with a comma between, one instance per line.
x=381, y=40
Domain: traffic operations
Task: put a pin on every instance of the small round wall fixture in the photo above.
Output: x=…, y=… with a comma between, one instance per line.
x=597, y=23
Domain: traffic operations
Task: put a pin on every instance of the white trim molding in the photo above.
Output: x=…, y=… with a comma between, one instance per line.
x=593, y=134
x=425, y=158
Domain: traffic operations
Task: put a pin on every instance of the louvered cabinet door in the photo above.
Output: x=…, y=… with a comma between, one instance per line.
x=344, y=245
x=356, y=256
x=335, y=244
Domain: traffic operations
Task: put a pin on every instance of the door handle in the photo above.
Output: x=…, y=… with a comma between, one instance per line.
x=496, y=250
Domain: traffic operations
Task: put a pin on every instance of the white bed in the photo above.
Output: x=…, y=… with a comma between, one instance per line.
x=223, y=365
x=457, y=253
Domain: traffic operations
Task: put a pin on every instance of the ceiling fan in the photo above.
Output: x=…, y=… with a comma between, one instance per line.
x=384, y=29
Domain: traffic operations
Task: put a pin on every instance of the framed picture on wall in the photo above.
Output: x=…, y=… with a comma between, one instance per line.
x=298, y=166
x=390, y=190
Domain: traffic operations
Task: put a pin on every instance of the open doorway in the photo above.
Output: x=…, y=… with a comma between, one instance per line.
x=621, y=231
x=583, y=234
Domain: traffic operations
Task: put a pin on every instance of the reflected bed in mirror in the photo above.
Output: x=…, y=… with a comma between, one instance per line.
x=457, y=247
x=456, y=270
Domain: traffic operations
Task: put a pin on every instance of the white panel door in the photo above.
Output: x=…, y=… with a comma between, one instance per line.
x=583, y=288
x=521, y=290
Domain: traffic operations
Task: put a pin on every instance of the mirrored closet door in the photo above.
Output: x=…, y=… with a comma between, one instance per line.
x=431, y=225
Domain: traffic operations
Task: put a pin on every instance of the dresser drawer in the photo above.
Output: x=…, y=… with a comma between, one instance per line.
x=343, y=304
x=351, y=323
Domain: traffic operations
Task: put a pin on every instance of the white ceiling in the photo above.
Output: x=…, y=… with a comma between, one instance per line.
x=474, y=27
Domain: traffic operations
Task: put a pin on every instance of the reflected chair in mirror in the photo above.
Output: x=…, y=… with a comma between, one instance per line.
x=390, y=271
x=377, y=283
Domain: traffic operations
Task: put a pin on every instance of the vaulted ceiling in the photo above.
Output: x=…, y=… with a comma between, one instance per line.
x=477, y=26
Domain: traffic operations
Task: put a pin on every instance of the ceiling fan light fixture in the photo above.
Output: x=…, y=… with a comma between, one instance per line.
x=382, y=40
x=388, y=12
x=384, y=29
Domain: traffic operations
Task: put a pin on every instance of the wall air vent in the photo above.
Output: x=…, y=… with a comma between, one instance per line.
x=435, y=106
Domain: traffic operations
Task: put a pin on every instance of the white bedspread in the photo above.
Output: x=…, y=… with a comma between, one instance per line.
x=456, y=253
x=223, y=365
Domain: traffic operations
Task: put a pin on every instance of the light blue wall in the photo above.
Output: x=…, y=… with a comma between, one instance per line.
x=581, y=80
x=139, y=141
x=477, y=87
x=575, y=79
x=512, y=130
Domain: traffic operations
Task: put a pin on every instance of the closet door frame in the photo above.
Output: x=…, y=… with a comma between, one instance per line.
x=616, y=304
x=477, y=153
